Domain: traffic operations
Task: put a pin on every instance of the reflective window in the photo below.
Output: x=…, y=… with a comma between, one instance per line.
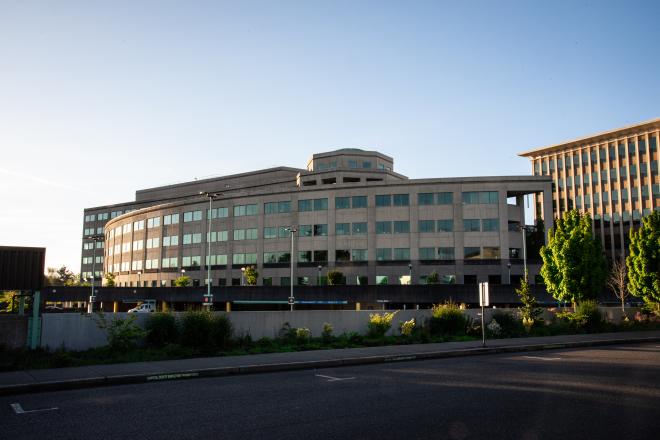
x=342, y=202
x=401, y=200
x=401, y=227
x=383, y=254
x=342, y=228
x=383, y=227
x=426, y=226
x=359, y=201
x=359, y=228
x=383, y=200
x=425, y=199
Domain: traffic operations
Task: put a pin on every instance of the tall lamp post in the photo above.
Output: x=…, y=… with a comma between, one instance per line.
x=319, y=278
x=210, y=196
x=524, y=229
x=95, y=239
x=292, y=230
x=508, y=265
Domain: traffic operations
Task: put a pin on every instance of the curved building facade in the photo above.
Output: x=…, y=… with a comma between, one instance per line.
x=350, y=211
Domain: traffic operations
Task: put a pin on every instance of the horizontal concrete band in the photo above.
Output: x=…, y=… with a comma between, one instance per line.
x=90, y=382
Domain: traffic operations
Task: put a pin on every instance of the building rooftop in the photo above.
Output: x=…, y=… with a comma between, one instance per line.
x=594, y=138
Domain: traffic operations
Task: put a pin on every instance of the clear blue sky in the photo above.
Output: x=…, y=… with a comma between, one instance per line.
x=98, y=99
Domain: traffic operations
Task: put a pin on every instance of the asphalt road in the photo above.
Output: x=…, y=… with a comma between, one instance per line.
x=597, y=393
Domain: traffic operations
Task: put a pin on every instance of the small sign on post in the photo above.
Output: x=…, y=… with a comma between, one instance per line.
x=484, y=297
x=291, y=300
x=484, y=301
x=208, y=299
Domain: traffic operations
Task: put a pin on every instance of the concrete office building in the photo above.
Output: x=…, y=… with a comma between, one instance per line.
x=352, y=213
x=612, y=175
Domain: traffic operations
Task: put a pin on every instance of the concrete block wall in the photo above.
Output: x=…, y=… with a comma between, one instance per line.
x=81, y=332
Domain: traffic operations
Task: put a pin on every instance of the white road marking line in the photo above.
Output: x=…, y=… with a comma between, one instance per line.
x=18, y=409
x=333, y=379
x=542, y=358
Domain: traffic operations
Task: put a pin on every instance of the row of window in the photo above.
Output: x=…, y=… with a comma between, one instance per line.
x=90, y=245
x=341, y=255
x=94, y=217
x=92, y=231
x=573, y=160
x=89, y=260
x=306, y=205
x=318, y=230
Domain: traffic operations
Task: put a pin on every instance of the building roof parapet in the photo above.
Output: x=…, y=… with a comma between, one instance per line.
x=595, y=138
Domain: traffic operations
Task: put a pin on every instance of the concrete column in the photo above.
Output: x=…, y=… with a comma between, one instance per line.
x=115, y=306
x=228, y=307
x=357, y=306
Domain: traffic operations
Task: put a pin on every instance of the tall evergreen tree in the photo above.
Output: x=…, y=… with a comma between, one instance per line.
x=574, y=267
x=644, y=260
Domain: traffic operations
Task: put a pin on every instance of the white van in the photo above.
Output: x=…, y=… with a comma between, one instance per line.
x=144, y=308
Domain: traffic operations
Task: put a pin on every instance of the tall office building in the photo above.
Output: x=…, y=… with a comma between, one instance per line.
x=351, y=211
x=611, y=175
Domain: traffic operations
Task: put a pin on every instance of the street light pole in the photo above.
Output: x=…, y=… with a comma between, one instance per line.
x=292, y=230
x=95, y=239
x=210, y=196
x=319, y=278
x=524, y=229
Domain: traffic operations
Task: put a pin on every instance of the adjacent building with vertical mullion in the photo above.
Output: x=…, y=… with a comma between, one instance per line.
x=611, y=175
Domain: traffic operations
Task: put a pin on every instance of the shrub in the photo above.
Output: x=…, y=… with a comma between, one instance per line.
x=407, y=327
x=326, y=335
x=161, y=329
x=122, y=334
x=380, y=323
x=196, y=329
x=447, y=320
x=302, y=334
x=586, y=317
x=494, y=329
x=510, y=326
x=335, y=277
x=221, y=331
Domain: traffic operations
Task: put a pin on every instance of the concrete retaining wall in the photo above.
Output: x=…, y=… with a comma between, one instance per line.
x=13, y=331
x=80, y=332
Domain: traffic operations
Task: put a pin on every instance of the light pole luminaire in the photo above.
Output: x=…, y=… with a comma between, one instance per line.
x=95, y=239
x=292, y=230
x=210, y=196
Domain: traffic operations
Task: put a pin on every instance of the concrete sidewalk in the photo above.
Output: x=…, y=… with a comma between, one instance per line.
x=16, y=382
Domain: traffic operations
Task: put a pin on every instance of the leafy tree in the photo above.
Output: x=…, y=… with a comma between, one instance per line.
x=618, y=282
x=643, y=261
x=109, y=279
x=251, y=275
x=51, y=278
x=65, y=277
x=6, y=303
x=433, y=278
x=182, y=281
x=574, y=268
x=335, y=277
x=529, y=310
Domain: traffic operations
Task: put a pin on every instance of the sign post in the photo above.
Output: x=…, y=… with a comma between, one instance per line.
x=208, y=299
x=484, y=301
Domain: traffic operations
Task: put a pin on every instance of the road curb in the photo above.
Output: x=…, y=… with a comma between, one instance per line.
x=303, y=365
